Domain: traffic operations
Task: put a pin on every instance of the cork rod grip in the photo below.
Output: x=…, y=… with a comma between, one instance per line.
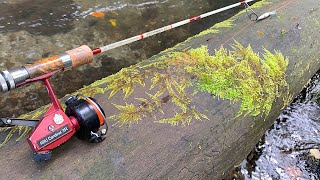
x=80, y=56
x=70, y=59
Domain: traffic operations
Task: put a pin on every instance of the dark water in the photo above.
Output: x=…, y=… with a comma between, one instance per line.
x=284, y=151
x=34, y=29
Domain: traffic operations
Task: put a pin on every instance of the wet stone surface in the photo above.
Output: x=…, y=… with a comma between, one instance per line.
x=31, y=30
x=37, y=17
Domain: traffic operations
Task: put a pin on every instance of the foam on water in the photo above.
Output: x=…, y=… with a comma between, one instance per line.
x=284, y=152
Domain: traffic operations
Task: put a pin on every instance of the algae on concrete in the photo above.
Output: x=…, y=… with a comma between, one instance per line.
x=237, y=75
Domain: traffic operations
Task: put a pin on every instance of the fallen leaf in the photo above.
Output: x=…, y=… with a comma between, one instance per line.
x=315, y=153
x=97, y=14
x=260, y=33
x=293, y=171
x=114, y=12
x=113, y=22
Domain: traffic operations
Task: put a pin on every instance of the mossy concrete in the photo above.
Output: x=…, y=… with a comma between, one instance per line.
x=188, y=112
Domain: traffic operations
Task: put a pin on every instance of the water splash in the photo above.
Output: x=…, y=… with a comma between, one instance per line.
x=114, y=7
x=285, y=153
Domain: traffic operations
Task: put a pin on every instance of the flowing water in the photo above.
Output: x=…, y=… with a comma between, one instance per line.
x=35, y=29
x=289, y=150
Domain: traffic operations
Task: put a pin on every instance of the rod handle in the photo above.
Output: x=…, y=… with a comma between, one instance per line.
x=80, y=56
x=9, y=79
x=70, y=59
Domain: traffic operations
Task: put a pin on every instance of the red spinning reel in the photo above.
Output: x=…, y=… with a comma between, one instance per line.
x=83, y=115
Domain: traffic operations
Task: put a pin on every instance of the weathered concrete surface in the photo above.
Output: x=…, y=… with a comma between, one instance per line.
x=204, y=149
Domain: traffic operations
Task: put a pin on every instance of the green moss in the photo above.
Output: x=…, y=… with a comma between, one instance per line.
x=283, y=33
x=22, y=130
x=260, y=4
x=241, y=75
x=124, y=81
x=255, y=80
x=163, y=83
x=317, y=22
x=184, y=118
x=287, y=99
x=215, y=29
x=224, y=24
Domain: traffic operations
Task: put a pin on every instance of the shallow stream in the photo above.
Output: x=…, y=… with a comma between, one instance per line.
x=290, y=148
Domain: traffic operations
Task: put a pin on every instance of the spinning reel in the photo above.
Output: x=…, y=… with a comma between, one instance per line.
x=90, y=116
x=83, y=115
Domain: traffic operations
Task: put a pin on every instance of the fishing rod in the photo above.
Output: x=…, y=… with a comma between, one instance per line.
x=10, y=79
x=166, y=28
x=83, y=115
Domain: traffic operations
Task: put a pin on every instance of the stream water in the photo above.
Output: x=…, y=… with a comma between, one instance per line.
x=289, y=149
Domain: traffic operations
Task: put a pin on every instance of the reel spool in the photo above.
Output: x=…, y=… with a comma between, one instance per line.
x=90, y=116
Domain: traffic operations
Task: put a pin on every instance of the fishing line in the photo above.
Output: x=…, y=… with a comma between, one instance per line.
x=253, y=15
x=250, y=23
